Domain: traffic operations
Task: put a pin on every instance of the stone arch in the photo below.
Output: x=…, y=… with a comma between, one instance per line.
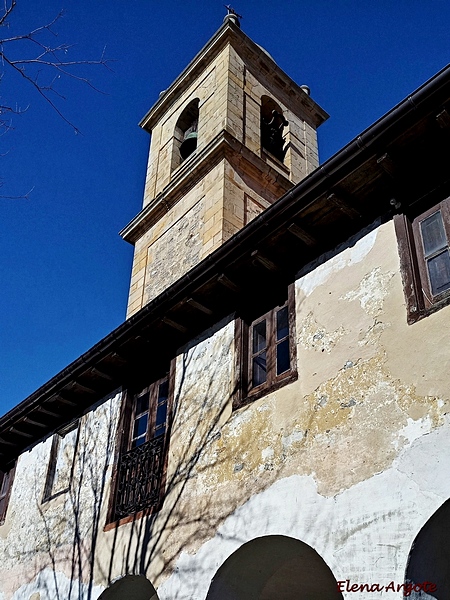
x=130, y=587
x=274, y=566
x=272, y=125
x=185, y=134
x=429, y=557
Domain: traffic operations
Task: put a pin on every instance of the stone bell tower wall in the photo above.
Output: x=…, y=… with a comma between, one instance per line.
x=192, y=206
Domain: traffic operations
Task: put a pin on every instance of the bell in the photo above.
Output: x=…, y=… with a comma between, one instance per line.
x=188, y=145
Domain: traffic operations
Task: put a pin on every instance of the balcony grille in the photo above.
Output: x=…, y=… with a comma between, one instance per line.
x=139, y=478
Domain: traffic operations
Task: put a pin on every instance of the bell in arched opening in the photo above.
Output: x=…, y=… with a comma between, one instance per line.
x=189, y=143
x=272, y=125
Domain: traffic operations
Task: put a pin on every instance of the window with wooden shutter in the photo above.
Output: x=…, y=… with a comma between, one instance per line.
x=6, y=481
x=139, y=479
x=424, y=242
x=265, y=352
x=61, y=463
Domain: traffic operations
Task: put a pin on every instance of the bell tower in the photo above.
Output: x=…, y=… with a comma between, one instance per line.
x=230, y=136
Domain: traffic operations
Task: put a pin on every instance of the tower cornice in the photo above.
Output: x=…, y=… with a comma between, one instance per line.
x=255, y=56
x=222, y=146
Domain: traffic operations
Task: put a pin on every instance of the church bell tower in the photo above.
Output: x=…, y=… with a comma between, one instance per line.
x=230, y=136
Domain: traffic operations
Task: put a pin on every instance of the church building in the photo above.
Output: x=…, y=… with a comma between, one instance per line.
x=272, y=418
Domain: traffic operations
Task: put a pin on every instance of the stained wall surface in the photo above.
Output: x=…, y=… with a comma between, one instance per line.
x=350, y=459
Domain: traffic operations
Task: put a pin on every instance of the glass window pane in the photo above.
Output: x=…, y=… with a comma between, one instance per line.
x=140, y=426
x=160, y=430
x=283, y=362
x=282, y=323
x=163, y=392
x=439, y=270
x=259, y=336
x=142, y=403
x=4, y=484
x=138, y=442
x=161, y=414
x=433, y=234
x=259, y=374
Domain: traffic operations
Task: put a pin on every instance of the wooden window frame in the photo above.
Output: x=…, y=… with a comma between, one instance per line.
x=124, y=445
x=5, y=493
x=244, y=392
x=58, y=436
x=420, y=300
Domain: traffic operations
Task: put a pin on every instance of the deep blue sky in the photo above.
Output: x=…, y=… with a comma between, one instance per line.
x=65, y=270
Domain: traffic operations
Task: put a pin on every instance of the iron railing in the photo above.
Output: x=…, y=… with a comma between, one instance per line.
x=139, y=478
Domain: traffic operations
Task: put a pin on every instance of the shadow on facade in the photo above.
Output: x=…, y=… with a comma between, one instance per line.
x=274, y=566
x=185, y=520
x=429, y=559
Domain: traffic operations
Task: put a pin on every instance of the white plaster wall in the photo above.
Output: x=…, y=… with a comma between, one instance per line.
x=364, y=534
x=354, y=476
x=45, y=548
x=350, y=459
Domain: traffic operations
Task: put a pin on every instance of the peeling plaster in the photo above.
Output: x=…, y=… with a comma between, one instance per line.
x=352, y=256
x=365, y=530
x=345, y=450
x=372, y=291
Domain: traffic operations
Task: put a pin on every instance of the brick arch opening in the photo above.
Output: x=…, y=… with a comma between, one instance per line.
x=429, y=557
x=274, y=566
x=130, y=587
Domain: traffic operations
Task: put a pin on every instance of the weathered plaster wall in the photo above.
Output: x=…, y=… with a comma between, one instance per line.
x=340, y=459
x=350, y=458
x=46, y=547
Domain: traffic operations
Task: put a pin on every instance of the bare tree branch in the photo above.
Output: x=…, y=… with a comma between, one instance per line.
x=41, y=58
x=42, y=63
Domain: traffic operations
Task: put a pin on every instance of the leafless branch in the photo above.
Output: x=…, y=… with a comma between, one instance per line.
x=40, y=57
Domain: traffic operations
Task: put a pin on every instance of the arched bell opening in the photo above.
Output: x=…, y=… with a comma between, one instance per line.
x=272, y=126
x=429, y=558
x=130, y=587
x=186, y=133
x=274, y=566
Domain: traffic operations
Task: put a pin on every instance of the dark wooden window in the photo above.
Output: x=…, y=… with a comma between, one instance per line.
x=266, y=351
x=61, y=463
x=425, y=259
x=139, y=479
x=6, y=481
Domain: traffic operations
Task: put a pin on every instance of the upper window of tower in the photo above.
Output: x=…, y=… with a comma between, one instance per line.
x=186, y=132
x=272, y=125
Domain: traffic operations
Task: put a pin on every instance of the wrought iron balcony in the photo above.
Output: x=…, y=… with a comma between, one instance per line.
x=139, y=478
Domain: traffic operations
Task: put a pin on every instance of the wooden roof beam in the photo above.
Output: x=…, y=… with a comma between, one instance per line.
x=174, y=325
x=101, y=374
x=443, y=119
x=21, y=433
x=387, y=164
x=264, y=261
x=302, y=235
x=199, y=306
x=226, y=282
x=343, y=205
x=34, y=422
x=48, y=412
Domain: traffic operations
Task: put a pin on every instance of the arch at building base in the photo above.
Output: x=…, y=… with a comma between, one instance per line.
x=274, y=567
x=429, y=559
x=130, y=587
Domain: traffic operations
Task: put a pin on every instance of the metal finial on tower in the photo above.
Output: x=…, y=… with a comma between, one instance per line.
x=232, y=15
